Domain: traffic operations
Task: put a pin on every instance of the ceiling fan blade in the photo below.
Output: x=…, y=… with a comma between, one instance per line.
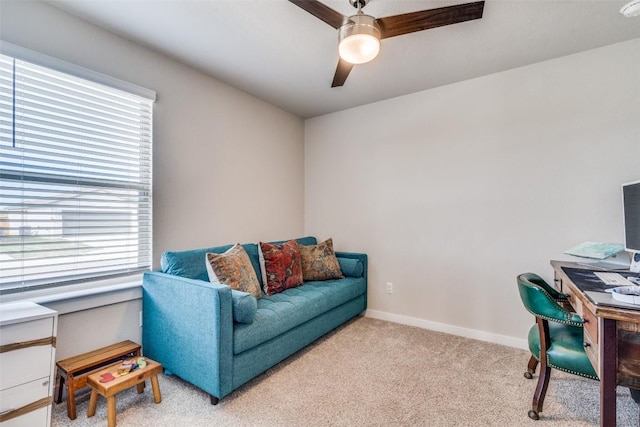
x=398, y=25
x=322, y=12
x=342, y=72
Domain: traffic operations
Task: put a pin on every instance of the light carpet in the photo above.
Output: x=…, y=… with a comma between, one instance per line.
x=371, y=372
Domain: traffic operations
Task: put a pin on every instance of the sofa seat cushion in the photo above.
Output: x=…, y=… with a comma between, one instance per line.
x=284, y=311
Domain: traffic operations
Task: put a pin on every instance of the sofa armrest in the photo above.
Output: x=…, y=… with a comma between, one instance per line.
x=185, y=316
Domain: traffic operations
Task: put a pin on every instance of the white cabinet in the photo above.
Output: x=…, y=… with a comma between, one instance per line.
x=27, y=357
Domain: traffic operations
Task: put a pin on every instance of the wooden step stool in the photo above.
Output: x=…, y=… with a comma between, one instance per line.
x=73, y=372
x=109, y=389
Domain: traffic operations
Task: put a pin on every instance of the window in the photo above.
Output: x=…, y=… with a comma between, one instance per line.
x=75, y=177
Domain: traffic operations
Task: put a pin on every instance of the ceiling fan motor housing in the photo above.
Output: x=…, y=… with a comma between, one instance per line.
x=359, y=39
x=358, y=3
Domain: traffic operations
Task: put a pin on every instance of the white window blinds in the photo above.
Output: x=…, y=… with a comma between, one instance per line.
x=75, y=179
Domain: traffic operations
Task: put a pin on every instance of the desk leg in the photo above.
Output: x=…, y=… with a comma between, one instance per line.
x=608, y=372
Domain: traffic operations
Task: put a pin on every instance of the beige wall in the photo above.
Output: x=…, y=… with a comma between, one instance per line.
x=451, y=191
x=83, y=331
x=214, y=147
x=454, y=191
x=228, y=167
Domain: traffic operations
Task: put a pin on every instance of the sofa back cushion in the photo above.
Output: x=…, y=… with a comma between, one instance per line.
x=192, y=263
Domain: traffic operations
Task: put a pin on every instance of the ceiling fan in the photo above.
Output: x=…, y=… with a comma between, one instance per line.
x=359, y=35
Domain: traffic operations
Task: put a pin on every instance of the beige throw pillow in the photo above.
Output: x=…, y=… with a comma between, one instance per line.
x=233, y=268
x=319, y=262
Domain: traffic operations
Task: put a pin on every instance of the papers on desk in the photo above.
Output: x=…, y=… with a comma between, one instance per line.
x=605, y=298
x=628, y=294
x=595, y=250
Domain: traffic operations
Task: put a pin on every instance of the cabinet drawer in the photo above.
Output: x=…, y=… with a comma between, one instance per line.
x=25, y=365
x=39, y=417
x=19, y=396
x=26, y=331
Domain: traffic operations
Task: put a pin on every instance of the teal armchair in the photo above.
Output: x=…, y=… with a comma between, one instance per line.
x=555, y=341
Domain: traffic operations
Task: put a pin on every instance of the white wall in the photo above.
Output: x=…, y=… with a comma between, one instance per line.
x=454, y=191
x=214, y=146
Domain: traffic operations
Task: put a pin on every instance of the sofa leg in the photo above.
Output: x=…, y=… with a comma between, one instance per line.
x=214, y=400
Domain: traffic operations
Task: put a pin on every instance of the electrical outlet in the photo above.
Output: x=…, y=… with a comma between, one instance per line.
x=389, y=287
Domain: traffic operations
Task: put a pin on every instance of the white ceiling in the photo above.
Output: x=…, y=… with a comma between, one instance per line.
x=287, y=57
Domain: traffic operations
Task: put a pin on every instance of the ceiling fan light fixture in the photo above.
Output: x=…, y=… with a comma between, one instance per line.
x=359, y=39
x=631, y=9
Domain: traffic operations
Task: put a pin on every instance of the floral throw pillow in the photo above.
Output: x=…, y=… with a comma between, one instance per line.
x=281, y=266
x=233, y=268
x=319, y=262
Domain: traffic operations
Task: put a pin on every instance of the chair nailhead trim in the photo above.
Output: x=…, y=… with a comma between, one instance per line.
x=553, y=301
x=571, y=372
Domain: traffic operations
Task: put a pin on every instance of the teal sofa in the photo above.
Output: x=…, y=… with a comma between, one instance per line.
x=218, y=339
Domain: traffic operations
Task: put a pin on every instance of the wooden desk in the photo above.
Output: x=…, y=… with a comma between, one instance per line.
x=611, y=340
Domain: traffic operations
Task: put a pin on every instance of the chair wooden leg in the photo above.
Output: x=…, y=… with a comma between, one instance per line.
x=531, y=368
x=214, y=400
x=541, y=391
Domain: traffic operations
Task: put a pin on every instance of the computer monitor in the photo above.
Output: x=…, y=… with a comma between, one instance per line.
x=631, y=212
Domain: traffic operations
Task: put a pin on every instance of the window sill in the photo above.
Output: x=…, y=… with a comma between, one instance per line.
x=84, y=297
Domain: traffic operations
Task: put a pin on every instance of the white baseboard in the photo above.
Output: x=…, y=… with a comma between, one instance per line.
x=449, y=329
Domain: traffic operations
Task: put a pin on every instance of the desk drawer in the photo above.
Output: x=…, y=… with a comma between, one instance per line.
x=574, y=302
x=591, y=325
x=591, y=338
x=592, y=350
